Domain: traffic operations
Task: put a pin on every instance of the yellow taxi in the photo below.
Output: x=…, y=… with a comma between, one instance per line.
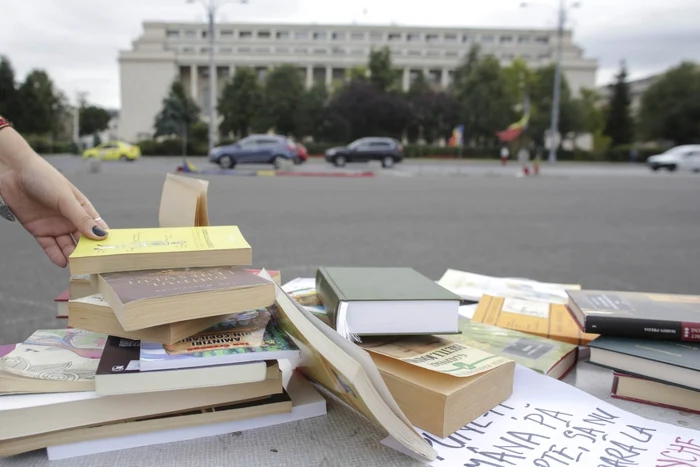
x=113, y=150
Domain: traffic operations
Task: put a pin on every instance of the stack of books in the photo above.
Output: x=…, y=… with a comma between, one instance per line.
x=651, y=341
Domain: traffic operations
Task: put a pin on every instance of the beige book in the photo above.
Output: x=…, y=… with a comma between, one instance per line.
x=35, y=414
x=93, y=313
x=183, y=202
x=81, y=286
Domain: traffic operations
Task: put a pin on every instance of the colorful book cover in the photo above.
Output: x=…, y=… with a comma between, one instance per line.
x=245, y=329
x=275, y=345
x=162, y=240
x=57, y=355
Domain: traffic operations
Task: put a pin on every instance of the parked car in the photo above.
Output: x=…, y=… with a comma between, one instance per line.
x=113, y=150
x=302, y=154
x=255, y=149
x=387, y=150
x=686, y=157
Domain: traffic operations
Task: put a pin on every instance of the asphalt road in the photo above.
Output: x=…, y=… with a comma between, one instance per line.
x=612, y=227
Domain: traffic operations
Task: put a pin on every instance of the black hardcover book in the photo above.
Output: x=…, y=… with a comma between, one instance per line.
x=637, y=315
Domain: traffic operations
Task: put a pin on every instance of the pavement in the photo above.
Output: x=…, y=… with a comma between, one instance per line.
x=602, y=226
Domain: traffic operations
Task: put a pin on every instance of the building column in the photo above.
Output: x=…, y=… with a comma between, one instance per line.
x=231, y=71
x=445, y=78
x=194, y=82
x=406, y=79
x=309, y=76
x=329, y=76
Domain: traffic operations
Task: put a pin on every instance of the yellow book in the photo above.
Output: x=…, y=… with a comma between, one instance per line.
x=549, y=320
x=161, y=248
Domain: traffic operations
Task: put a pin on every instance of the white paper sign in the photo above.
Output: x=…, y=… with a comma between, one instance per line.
x=547, y=423
x=526, y=307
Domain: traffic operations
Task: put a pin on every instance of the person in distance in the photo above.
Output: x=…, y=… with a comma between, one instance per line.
x=40, y=198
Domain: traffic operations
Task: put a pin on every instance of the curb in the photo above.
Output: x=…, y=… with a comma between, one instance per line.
x=326, y=174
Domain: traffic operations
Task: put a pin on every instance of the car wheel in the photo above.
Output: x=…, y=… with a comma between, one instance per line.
x=297, y=161
x=388, y=162
x=696, y=171
x=278, y=162
x=227, y=162
x=123, y=158
x=654, y=168
x=671, y=168
x=339, y=161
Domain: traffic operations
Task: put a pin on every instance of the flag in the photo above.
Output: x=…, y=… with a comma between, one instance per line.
x=457, y=138
x=516, y=129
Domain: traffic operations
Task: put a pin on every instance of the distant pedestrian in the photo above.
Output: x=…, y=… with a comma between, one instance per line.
x=524, y=159
x=505, y=154
x=634, y=154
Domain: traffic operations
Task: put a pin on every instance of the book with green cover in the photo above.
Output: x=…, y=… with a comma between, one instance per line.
x=546, y=356
x=385, y=301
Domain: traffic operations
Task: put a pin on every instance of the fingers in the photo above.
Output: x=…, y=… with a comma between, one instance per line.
x=89, y=208
x=53, y=251
x=66, y=243
x=71, y=209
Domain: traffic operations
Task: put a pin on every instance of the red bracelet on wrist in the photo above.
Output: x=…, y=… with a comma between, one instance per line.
x=4, y=122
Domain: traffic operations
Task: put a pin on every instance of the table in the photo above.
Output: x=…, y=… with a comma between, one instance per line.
x=341, y=438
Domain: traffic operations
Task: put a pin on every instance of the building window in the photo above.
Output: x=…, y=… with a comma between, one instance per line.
x=465, y=38
x=226, y=33
x=282, y=50
x=339, y=51
x=544, y=56
x=451, y=53
x=320, y=51
x=204, y=50
x=264, y=34
x=542, y=39
x=301, y=35
x=282, y=34
x=244, y=50
x=301, y=51
x=451, y=38
x=506, y=39
x=357, y=36
x=191, y=33
x=245, y=34
x=320, y=35
x=357, y=52
x=394, y=36
x=413, y=37
x=172, y=33
x=487, y=39
x=262, y=50
x=526, y=56
x=204, y=34
x=432, y=53
x=376, y=36
x=226, y=50
x=397, y=52
x=507, y=56
x=523, y=39
x=414, y=53
x=338, y=36
x=188, y=50
x=430, y=38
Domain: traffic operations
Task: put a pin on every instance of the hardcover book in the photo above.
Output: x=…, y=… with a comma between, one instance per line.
x=550, y=320
x=161, y=248
x=665, y=361
x=647, y=391
x=385, y=301
x=142, y=299
x=637, y=314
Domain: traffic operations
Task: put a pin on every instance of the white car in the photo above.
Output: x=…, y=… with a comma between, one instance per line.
x=685, y=157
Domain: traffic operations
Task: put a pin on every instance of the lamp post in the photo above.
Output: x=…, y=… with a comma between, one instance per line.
x=211, y=6
x=556, y=93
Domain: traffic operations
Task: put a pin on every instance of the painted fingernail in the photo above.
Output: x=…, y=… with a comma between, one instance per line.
x=97, y=230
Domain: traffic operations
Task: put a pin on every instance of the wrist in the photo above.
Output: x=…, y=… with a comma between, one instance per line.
x=14, y=150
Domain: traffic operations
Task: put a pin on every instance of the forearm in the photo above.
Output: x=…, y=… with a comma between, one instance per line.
x=14, y=150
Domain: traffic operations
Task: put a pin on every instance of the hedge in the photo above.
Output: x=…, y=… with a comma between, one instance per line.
x=44, y=145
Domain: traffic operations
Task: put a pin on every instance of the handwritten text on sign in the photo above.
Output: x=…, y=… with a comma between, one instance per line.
x=547, y=423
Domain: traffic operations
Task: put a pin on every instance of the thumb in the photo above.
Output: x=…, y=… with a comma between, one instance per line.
x=80, y=218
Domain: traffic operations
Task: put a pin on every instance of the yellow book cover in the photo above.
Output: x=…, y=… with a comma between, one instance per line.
x=162, y=240
x=549, y=320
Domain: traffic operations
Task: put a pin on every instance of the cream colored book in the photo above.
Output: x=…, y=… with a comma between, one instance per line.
x=183, y=202
x=80, y=286
x=161, y=248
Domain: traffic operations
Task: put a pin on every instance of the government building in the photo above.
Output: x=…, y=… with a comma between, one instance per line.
x=323, y=53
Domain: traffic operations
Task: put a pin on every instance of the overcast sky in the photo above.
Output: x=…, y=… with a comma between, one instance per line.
x=77, y=41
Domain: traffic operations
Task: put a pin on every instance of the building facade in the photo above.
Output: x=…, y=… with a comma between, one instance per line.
x=323, y=53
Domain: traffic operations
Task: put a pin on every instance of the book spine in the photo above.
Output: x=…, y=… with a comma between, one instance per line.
x=643, y=328
x=327, y=294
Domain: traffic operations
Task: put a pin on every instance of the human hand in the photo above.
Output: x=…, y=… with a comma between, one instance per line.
x=50, y=207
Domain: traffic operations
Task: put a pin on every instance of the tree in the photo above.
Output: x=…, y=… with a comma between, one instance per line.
x=240, y=103
x=93, y=119
x=179, y=112
x=9, y=103
x=381, y=72
x=433, y=113
x=311, y=111
x=39, y=104
x=670, y=107
x=619, y=125
x=283, y=94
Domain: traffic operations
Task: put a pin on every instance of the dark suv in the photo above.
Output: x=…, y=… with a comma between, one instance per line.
x=387, y=150
x=255, y=149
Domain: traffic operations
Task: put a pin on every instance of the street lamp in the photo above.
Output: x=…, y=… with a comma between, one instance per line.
x=211, y=6
x=556, y=97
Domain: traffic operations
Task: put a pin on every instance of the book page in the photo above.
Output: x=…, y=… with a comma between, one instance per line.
x=183, y=202
x=547, y=423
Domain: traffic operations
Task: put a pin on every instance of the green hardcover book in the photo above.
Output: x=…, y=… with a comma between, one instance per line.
x=385, y=301
x=676, y=363
x=546, y=356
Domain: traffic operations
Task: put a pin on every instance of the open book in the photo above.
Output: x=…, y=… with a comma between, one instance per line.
x=345, y=370
x=183, y=202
